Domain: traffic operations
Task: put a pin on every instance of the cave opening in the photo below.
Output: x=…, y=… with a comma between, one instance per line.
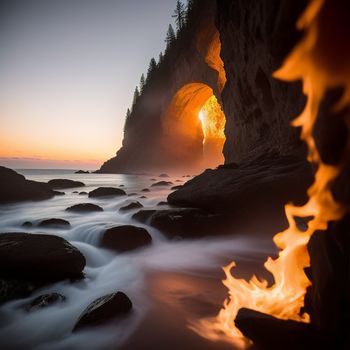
x=194, y=127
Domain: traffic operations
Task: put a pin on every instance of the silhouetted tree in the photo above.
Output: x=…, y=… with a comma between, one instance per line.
x=136, y=97
x=142, y=83
x=189, y=9
x=151, y=69
x=127, y=119
x=161, y=59
x=180, y=15
x=170, y=37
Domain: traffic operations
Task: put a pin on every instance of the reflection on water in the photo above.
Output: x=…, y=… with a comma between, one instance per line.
x=105, y=271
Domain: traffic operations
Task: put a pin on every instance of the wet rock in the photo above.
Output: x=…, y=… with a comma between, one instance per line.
x=153, y=179
x=163, y=203
x=142, y=197
x=75, y=192
x=84, y=208
x=131, y=206
x=54, y=223
x=27, y=224
x=38, y=257
x=82, y=172
x=64, y=183
x=164, y=175
x=176, y=187
x=104, y=309
x=145, y=190
x=162, y=183
x=45, y=300
x=106, y=192
x=59, y=193
x=132, y=194
x=270, y=333
x=125, y=238
x=15, y=188
x=188, y=223
x=278, y=178
x=83, y=193
x=121, y=186
x=14, y=288
x=143, y=215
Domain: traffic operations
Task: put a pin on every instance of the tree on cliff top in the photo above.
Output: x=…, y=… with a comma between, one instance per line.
x=170, y=37
x=151, y=69
x=136, y=97
x=179, y=15
x=142, y=83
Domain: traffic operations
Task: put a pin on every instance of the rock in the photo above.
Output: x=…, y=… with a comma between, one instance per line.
x=54, y=223
x=38, y=257
x=132, y=194
x=125, y=238
x=162, y=183
x=45, y=300
x=83, y=193
x=65, y=183
x=163, y=175
x=142, y=197
x=153, y=179
x=163, y=203
x=104, y=309
x=82, y=172
x=121, y=186
x=27, y=224
x=270, y=333
x=133, y=205
x=176, y=187
x=106, y=192
x=59, y=193
x=15, y=188
x=188, y=223
x=145, y=190
x=278, y=178
x=143, y=215
x=13, y=289
x=84, y=208
x=75, y=192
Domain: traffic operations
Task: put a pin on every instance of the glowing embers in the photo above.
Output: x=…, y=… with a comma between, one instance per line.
x=195, y=143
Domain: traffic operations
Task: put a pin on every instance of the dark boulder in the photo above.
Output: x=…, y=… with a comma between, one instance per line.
x=143, y=215
x=106, y=192
x=65, y=183
x=104, y=309
x=176, y=187
x=83, y=193
x=38, y=257
x=162, y=183
x=131, y=206
x=54, y=223
x=146, y=190
x=188, y=223
x=84, y=208
x=82, y=172
x=45, y=300
x=163, y=203
x=126, y=238
x=15, y=288
x=15, y=188
x=270, y=333
x=27, y=224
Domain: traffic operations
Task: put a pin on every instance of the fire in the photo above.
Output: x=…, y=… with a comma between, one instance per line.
x=284, y=299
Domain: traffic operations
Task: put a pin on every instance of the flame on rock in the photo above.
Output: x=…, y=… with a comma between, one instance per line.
x=284, y=299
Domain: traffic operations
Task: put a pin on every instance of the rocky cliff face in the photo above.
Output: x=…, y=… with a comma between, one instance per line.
x=252, y=38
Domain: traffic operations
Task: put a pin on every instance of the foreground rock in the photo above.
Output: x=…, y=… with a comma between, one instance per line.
x=104, y=309
x=54, y=223
x=65, y=183
x=38, y=257
x=125, y=238
x=45, y=300
x=14, y=187
x=84, y=208
x=15, y=288
x=106, y=192
x=259, y=181
x=270, y=333
x=131, y=206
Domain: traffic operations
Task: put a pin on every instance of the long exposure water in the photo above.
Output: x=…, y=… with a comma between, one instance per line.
x=106, y=271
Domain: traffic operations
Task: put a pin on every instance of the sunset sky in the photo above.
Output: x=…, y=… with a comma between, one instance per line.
x=68, y=71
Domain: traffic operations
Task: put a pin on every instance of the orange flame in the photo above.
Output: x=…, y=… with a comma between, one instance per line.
x=285, y=298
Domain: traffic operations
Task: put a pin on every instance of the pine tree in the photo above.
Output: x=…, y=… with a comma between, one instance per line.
x=142, y=84
x=189, y=9
x=136, y=97
x=151, y=69
x=161, y=59
x=127, y=119
x=179, y=15
x=170, y=37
